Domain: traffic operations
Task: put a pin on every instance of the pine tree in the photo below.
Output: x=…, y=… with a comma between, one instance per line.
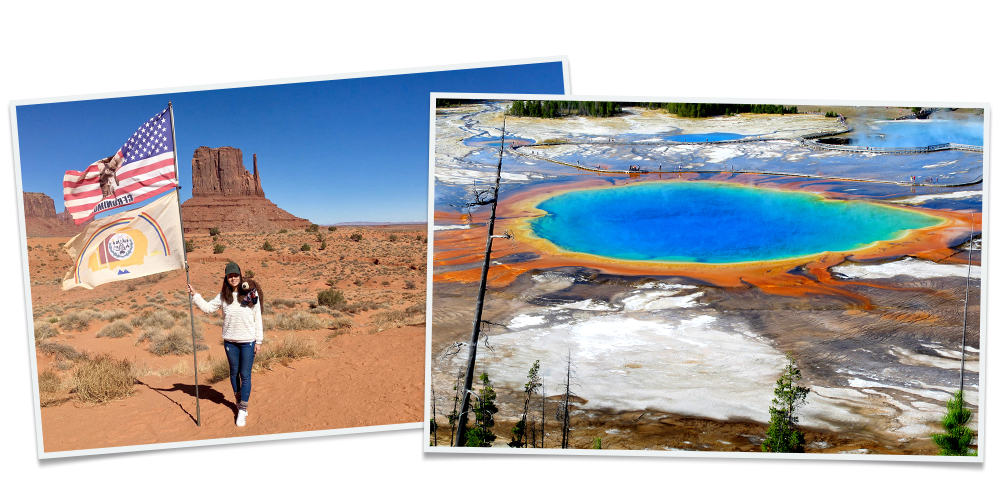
x=957, y=435
x=519, y=432
x=482, y=436
x=782, y=437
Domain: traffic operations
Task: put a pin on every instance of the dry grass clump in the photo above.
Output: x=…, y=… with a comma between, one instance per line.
x=104, y=379
x=50, y=389
x=418, y=308
x=324, y=310
x=76, y=321
x=49, y=382
x=218, y=370
x=61, y=351
x=284, y=351
x=413, y=315
x=112, y=314
x=386, y=320
x=116, y=329
x=44, y=330
x=280, y=303
x=296, y=320
x=159, y=318
x=176, y=341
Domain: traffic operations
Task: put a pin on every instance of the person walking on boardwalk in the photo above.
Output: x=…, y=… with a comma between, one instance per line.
x=242, y=330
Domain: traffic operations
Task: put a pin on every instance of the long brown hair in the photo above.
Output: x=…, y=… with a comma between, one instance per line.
x=227, y=290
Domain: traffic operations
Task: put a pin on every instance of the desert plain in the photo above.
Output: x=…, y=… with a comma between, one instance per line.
x=351, y=360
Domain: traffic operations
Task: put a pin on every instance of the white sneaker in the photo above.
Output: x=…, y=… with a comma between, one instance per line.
x=241, y=418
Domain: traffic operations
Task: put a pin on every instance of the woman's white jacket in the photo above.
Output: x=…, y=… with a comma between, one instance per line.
x=239, y=324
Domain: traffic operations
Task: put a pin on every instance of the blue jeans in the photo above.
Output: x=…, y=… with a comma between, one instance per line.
x=240, y=355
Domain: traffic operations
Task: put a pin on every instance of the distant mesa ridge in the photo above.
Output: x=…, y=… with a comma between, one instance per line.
x=225, y=195
x=41, y=219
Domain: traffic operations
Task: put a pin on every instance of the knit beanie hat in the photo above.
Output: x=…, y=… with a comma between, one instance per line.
x=232, y=268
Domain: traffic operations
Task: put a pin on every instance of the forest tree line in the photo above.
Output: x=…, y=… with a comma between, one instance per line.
x=604, y=109
x=556, y=109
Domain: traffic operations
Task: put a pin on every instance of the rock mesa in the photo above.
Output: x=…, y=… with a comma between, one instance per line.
x=225, y=195
x=41, y=219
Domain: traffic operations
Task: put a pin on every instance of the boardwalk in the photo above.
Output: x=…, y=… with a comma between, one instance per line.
x=805, y=140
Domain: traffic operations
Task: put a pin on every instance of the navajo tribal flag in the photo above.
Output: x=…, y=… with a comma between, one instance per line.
x=141, y=169
x=128, y=245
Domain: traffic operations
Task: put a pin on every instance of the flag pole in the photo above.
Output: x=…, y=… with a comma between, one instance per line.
x=187, y=272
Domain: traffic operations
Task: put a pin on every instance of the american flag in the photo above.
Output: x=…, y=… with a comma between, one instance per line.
x=142, y=168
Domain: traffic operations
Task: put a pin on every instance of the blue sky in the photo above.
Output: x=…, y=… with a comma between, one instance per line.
x=331, y=151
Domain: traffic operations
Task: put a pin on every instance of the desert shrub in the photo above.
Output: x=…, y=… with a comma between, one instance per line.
x=331, y=298
x=159, y=318
x=279, y=302
x=418, y=308
x=53, y=319
x=341, y=323
x=332, y=228
x=356, y=237
x=154, y=278
x=189, y=246
x=112, y=314
x=218, y=248
x=177, y=341
x=249, y=273
x=322, y=310
x=119, y=328
x=386, y=320
x=359, y=282
x=296, y=320
x=267, y=246
x=409, y=285
x=214, y=231
x=282, y=231
x=305, y=247
x=76, y=321
x=284, y=351
x=218, y=370
x=44, y=330
x=104, y=379
x=312, y=228
x=360, y=306
x=393, y=237
x=322, y=246
x=49, y=382
x=61, y=351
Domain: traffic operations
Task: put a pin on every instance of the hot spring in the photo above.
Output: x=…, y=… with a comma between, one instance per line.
x=912, y=133
x=716, y=223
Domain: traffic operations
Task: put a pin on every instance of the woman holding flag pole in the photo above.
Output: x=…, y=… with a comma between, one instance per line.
x=242, y=330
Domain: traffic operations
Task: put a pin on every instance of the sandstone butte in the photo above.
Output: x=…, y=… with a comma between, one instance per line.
x=41, y=219
x=225, y=195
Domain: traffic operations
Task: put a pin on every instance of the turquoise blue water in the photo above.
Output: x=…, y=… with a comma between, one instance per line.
x=910, y=133
x=714, y=222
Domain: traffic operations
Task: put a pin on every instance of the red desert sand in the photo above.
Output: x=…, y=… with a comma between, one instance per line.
x=366, y=368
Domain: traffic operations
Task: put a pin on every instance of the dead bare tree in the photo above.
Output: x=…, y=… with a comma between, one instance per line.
x=434, y=427
x=543, y=412
x=453, y=416
x=491, y=198
x=564, y=406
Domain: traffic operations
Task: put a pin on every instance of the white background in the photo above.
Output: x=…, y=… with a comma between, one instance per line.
x=758, y=46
